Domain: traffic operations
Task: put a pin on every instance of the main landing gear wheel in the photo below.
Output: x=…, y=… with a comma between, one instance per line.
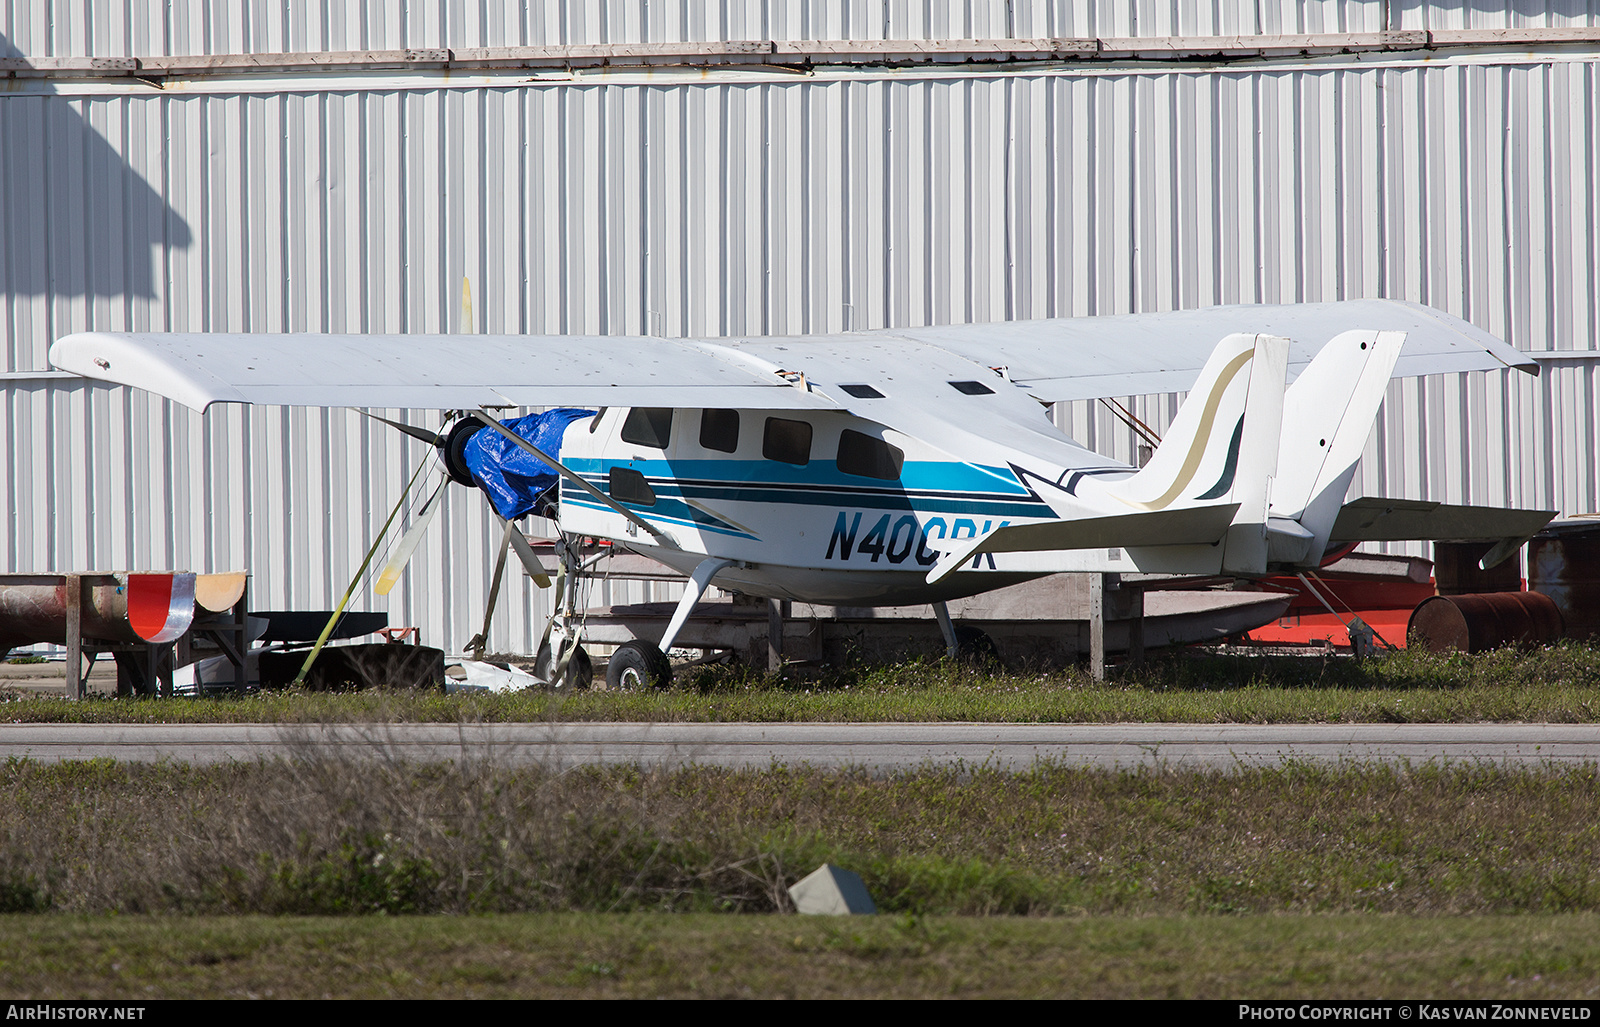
x=976, y=649
x=637, y=665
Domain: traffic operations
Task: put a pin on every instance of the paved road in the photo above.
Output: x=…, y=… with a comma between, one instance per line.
x=876, y=746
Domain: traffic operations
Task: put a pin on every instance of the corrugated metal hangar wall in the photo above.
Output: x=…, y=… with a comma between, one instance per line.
x=689, y=169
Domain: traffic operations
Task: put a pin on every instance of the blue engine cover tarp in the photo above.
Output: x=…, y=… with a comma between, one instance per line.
x=514, y=478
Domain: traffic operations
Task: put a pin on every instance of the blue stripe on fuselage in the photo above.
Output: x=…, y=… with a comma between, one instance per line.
x=928, y=486
x=666, y=511
x=915, y=476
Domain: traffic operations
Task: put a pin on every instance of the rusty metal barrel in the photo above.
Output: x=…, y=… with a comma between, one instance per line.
x=1564, y=564
x=1473, y=623
x=33, y=608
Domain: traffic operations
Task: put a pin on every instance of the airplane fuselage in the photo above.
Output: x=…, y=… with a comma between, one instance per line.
x=813, y=506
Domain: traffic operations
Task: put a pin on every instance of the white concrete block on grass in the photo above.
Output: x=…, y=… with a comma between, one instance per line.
x=831, y=891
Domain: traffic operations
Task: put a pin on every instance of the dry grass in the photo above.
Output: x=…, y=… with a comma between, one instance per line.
x=322, y=836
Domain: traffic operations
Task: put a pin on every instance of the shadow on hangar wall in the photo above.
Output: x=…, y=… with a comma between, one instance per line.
x=109, y=188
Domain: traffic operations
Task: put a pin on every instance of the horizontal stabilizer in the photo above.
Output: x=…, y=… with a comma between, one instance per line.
x=1408, y=520
x=1191, y=526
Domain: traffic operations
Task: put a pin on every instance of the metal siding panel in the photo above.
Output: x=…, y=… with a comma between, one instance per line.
x=786, y=232
x=993, y=231
x=730, y=196
x=870, y=196
x=26, y=237
x=943, y=209
x=1572, y=111
x=1028, y=261
x=1077, y=185
x=1242, y=233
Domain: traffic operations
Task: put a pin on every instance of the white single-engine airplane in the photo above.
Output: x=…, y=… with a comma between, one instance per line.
x=888, y=467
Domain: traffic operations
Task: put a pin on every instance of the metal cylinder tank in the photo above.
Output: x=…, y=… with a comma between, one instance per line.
x=1564, y=564
x=33, y=608
x=1473, y=623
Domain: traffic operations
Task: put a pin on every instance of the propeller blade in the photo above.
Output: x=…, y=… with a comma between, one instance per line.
x=409, y=542
x=530, y=560
x=416, y=432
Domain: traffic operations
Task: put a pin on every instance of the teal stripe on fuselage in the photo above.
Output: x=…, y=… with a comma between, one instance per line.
x=942, y=476
x=926, y=502
x=823, y=485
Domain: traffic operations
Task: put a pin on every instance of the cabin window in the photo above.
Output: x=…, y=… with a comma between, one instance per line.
x=648, y=426
x=862, y=391
x=629, y=486
x=972, y=388
x=787, y=441
x=869, y=457
x=719, y=430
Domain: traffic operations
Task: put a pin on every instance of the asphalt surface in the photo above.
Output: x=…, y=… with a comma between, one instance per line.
x=880, y=747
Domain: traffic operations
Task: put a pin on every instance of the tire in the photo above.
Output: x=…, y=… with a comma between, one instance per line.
x=579, y=672
x=638, y=665
x=580, y=669
x=977, y=650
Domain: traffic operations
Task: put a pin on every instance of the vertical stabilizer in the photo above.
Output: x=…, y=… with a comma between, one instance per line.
x=1329, y=414
x=1223, y=445
x=1245, y=548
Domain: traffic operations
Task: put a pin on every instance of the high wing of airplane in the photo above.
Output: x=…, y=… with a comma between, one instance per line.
x=887, y=467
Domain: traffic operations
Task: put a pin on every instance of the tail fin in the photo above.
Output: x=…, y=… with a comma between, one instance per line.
x=1329, y=413
x=1206, y=484
x=1223, y=446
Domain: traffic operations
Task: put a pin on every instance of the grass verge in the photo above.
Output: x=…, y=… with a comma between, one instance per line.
x=706, y=956
x=323, y=836
x=1554, y=684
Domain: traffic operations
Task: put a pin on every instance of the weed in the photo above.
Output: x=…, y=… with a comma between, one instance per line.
x=368, y=876
x=22, y=893
x=337, y=837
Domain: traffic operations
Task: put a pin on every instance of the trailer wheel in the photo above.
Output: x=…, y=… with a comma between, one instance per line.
x=637, y=665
